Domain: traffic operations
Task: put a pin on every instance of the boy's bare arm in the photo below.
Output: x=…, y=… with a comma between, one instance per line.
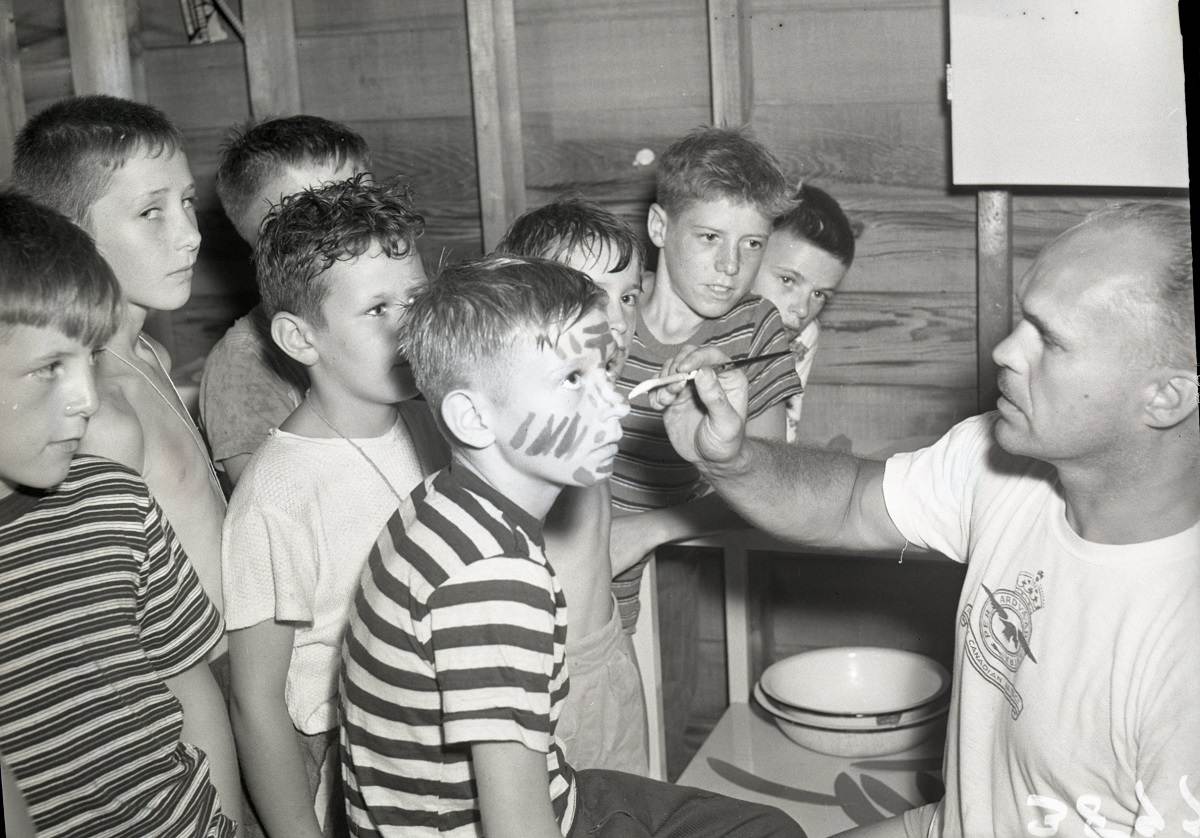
x=17, y=822
x=115, y=432
x=270, y=753
x=638, y=533
x=206, y=725
x=234, y=466
x=514, y=791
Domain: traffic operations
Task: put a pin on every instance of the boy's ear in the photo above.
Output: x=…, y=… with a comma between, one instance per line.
x=294, y=336
x=465, y=416
x=1172, y=397
x=656, y=225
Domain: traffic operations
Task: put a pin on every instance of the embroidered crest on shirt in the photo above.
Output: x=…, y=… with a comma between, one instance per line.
x=1000, y=631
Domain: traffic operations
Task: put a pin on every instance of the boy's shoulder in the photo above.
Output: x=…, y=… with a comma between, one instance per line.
x=89, y=479
x=115, y=432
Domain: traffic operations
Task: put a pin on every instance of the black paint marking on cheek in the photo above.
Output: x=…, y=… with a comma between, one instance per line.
x=519, y=437
x=579, y=438
x=599, y=437
x=584, y=477
x=546, y=439
x=569, y=439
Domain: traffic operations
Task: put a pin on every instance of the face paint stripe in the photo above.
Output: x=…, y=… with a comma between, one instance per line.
x=569, y=438
x=519, y=437
x=584, y=477
x=575, y=346
x=599, y=437
x=546, y=439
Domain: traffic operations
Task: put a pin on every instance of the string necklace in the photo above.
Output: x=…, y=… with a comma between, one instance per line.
x=374, y=466
x=180, y=414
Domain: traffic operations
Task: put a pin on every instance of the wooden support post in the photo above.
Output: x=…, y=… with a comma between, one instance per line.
x=994, y=286
x=272, y=72
x=137, y=50
x=12, y=92
x=731, y=62
x=98, y=38
x=499, y=152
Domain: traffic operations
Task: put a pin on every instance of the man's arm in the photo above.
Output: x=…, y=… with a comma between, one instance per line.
x=206, y=725
x=270, y=753
x=514, y=797
x=810, y=496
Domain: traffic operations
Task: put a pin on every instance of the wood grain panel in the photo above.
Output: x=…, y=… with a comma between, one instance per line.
x=908, y=338
x=399, y=74
x=202, y=86
x=892, y=53
x=876, y=420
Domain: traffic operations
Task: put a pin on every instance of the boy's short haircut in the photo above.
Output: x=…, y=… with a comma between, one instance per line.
x=709, y=164
x=251, y=157
x=307, y=232
x=66, y=155
x=816, y=217
x=51, y=275
x=460, y=328
x=560, y=227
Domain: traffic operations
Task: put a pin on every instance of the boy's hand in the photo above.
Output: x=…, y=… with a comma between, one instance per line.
x=706, y=417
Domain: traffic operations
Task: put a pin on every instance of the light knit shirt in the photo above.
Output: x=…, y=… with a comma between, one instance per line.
x=301, y=523
x=1074, y=708
x=805, y=347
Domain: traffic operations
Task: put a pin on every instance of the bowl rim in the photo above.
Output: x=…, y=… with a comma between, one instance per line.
x=932, y=717
x=916, y=715
x=941, y=672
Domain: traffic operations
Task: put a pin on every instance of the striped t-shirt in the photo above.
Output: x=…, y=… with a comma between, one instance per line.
x=98, y=605
x=647, y=473
x=457, y=635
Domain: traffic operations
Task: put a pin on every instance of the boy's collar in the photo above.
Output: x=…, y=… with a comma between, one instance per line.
x=20, y=501
x=468, y=478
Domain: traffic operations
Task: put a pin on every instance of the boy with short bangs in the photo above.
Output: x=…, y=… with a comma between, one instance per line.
x=718, y=192
x=337, y=265
x=605, y=682
x=110, y=721
x=117, y=169
x=454, y=665
x=249, y=386
x=810, y=251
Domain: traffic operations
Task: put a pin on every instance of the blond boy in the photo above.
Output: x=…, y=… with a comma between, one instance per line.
x=117, y=169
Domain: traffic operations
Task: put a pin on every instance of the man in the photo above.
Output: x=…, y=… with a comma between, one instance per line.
x=1077, y=507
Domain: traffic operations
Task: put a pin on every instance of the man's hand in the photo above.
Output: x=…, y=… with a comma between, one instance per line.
x=706, y=417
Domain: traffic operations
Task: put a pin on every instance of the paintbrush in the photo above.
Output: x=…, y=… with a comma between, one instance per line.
x=652, y=383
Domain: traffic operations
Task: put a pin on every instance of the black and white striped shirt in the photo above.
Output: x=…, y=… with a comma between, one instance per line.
x=98, y=605
x=457, y=635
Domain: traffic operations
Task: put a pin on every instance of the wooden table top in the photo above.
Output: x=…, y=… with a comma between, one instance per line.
x=746, y=756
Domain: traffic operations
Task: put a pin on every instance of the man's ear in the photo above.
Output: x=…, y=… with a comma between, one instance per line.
x=465, y=416
x=1171, y=398
x=294, y=336
x=656, y=225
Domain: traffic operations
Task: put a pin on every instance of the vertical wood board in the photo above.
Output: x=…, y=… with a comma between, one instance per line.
x=271, y=70
x=98, y=35
x=12, y=100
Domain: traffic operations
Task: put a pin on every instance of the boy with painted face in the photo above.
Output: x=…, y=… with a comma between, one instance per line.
x=249, y=386
x=117, y=169
x=454, y=665
x=605, y=681
x=336, y=265
x=110, y=720
x=807, y=257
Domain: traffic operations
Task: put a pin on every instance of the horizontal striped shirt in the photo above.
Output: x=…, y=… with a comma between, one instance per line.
x=98, y=605
x=647, y=473
x=457, y=636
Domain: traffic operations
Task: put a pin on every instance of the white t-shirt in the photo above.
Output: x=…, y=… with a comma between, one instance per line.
x=1076, y=699
x=301, y=523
